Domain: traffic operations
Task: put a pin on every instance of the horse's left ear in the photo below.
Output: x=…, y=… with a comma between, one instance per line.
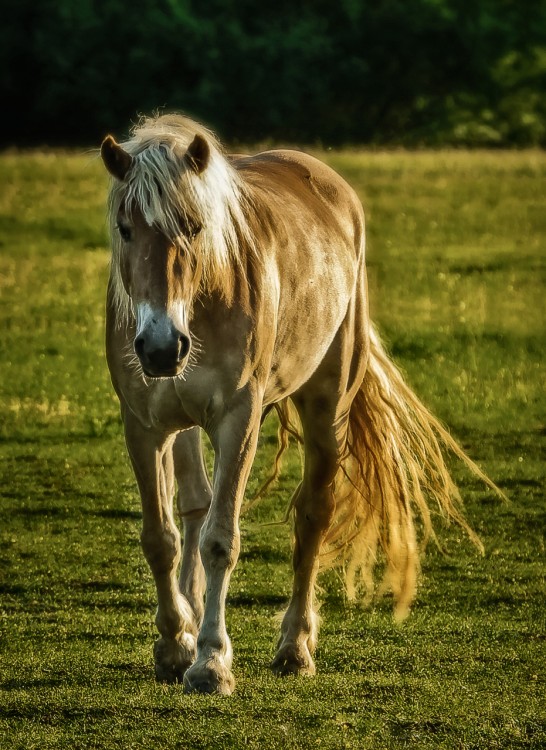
x=198, y=154
x=117, y=161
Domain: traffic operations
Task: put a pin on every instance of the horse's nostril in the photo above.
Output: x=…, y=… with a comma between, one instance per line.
x=139, y=346
x=184, y=345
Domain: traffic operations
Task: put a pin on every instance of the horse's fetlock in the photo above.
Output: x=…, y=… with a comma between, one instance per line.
x=213, y=642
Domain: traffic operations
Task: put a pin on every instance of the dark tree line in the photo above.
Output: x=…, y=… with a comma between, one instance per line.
x=338, y=71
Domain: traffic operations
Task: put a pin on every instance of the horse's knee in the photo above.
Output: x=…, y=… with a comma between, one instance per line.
x=219, y=551
x=161, y=548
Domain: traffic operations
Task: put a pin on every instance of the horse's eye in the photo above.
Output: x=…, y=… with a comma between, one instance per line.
x=189, y=228
x=124, y=231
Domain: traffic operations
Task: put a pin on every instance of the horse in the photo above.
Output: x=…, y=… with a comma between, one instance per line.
x=238, y=285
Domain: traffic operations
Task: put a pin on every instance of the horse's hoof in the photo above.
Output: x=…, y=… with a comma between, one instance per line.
x=173, y=657
x=291, y=660
x=209, y=677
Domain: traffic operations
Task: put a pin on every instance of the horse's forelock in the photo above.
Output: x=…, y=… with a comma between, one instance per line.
x=170, y=194
x=153, y=186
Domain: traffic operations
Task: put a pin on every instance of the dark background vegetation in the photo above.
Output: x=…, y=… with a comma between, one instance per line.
x=410, y=72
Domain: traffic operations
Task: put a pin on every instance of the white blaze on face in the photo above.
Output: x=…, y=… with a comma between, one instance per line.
x=160, y=326
x=178, y=313
x=152, y=322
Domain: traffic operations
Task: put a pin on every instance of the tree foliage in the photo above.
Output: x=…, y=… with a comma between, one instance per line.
x=351, y=71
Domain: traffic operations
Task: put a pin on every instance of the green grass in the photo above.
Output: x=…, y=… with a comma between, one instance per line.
x=456, y=255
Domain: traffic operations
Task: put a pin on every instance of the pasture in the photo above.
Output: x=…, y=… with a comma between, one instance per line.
x=456, y=249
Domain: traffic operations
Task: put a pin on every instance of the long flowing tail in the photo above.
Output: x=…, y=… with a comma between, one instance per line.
x=393, y=473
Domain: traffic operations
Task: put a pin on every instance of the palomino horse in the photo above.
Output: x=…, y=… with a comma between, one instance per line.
x=237, y=285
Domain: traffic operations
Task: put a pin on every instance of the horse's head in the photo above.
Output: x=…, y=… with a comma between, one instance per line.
x=153, y=239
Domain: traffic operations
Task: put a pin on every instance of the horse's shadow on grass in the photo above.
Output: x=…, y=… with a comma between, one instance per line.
x=260, y=600
x=110, y=673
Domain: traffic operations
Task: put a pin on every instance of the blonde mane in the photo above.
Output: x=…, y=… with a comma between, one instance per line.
x=171, y=195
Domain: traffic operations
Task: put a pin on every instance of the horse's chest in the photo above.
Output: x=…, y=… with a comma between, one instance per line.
x=155, y=405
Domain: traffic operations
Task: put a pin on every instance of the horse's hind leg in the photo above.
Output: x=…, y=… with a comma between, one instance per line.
x=194, y=497
x=153, y=466
x=314, y=509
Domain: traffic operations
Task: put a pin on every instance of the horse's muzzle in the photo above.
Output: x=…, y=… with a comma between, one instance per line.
x=165, y=359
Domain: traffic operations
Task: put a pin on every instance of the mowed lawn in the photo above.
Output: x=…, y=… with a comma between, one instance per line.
x=457, y=247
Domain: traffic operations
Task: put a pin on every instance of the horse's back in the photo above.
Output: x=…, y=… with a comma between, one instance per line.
x=286, y=173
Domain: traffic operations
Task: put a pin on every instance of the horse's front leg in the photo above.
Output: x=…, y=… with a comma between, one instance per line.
x=194, y=497
x=234, y=441
x=152, y=464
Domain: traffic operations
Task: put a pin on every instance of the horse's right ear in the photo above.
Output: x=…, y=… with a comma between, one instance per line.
x=117, y=161
x=198, y=154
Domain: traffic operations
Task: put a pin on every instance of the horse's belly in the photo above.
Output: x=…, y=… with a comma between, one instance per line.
x=289, y=376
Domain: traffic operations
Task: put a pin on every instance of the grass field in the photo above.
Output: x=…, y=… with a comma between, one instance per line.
x=457, y=247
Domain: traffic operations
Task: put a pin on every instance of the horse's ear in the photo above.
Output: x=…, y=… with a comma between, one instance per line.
x=117, y=161
x=198, y=154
